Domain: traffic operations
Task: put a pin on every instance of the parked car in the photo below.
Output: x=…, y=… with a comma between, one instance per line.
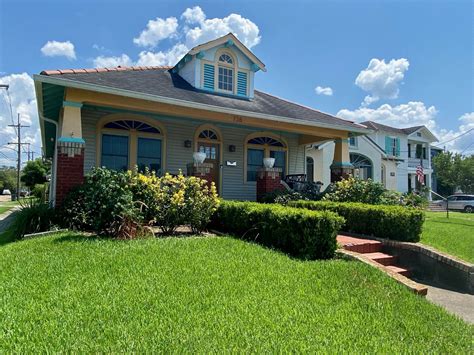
x=459, y=202
x=6, y=192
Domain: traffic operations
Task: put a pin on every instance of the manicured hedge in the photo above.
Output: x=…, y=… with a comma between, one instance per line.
x=298, y=232
x=390, y=222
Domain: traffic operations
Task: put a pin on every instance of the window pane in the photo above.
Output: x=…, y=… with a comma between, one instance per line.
x=225, y=81
x=149, y=154
x=280, y=160
x=254, y=161
x=114, y=152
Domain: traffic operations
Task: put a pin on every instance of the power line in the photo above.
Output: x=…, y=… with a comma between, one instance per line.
x=467, y=147
x=19, y=144
x=452, y=139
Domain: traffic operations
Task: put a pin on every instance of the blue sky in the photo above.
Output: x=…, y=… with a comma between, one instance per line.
x=420, y=52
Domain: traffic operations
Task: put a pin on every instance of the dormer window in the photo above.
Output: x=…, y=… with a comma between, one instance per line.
x=225, y=58
x=225, y=79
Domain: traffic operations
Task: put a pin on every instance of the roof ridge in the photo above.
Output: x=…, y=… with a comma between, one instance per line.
x=307, y=107
x=101, y=70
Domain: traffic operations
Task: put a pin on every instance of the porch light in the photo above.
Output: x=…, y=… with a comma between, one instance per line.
x=187, y=143
x=232, y=148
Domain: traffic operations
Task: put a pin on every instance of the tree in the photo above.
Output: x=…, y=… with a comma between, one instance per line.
x=34, y=172
x=454, y=171
x=7, y=178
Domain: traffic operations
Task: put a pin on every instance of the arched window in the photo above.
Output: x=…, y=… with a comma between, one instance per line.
x=225, y=58
x=225, y=78
x=126, y=143
x=262, y=145
x=362, y=166
x=208, y=134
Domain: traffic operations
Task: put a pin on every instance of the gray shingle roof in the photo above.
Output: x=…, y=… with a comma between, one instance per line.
x=381, y=127
x=162, y=82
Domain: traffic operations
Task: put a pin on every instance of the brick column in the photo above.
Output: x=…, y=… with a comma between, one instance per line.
x=70, y=168
x=268, y=180
x=202, y=171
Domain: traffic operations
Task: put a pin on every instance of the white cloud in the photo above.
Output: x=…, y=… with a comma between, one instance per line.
x=57, y=49
x=244, y=29
x=413, y=113
x=110, y=62
x=323, y=90
x=205, y=30
x=156, y=31
x=381, y=80
x=465, y=143
x=193, y=15
x=170, y=57
x=23, y=100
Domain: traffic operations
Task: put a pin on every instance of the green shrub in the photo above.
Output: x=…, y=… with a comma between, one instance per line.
x=103, y=204
x=33, y=216
x=40, y=191
x=391, y=222
x=124, y=204
x=355, y=190
x=298, y=232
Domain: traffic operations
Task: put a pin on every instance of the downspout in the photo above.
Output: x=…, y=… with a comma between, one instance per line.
x=55, y=161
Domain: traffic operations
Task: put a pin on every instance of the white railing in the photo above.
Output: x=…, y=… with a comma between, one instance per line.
x=414, y=162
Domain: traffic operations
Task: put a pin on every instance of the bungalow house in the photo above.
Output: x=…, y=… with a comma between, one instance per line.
x=387, y=155
x=157, y=117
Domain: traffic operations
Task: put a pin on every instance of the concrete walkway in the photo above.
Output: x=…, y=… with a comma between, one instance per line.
x=460, y=304
x=7, y=218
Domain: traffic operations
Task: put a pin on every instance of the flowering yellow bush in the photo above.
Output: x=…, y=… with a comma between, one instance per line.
x=173, y=200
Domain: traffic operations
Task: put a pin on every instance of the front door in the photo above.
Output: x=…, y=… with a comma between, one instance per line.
x=212, y=157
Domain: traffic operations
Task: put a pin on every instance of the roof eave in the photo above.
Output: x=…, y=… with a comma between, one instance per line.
x=189, y=104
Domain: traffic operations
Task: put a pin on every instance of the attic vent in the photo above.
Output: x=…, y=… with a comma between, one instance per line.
x=208, y=77
x=242, y=83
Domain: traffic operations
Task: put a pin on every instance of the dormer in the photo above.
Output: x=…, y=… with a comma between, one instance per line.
x=223, y=66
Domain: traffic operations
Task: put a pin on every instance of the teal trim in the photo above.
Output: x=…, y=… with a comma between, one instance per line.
x=71, y=140
x=255, y=67
x=72, y=104
x=174, y=70
x=187, y=58
x=342, y=140
x=241, y=83
x=229, y=43
x=208, y=77
x=180, y=65
x=388, y=145
x=200, y=55
x=341, y=165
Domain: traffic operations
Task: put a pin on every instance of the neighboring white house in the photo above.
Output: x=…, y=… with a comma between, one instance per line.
x=388, y=155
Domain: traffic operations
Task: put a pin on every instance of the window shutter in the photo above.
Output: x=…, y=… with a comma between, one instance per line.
x=208, y=82
x=242, y=83
x=397, y=147
x=388, y=143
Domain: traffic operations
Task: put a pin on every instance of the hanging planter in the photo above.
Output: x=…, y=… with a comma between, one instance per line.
x=268, y=162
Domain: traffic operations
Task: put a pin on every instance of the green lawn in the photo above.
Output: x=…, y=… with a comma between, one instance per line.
x=206, y=294
x=453, y=235
x=7, y=205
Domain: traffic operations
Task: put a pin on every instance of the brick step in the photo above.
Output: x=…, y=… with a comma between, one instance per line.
x=399, y=270
x=371, y=247
x=382, y=258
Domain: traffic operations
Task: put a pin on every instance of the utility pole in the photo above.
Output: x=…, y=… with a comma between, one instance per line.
x=18, y=144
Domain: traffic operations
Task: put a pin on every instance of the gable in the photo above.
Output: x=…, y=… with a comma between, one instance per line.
x=205, y=69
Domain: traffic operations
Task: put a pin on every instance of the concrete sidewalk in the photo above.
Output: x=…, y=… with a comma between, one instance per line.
x=460, y=304
x=7, y=218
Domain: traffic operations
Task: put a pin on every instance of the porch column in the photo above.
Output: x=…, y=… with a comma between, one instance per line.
x=70, y=151
x=341, y=166
x=268, y=180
